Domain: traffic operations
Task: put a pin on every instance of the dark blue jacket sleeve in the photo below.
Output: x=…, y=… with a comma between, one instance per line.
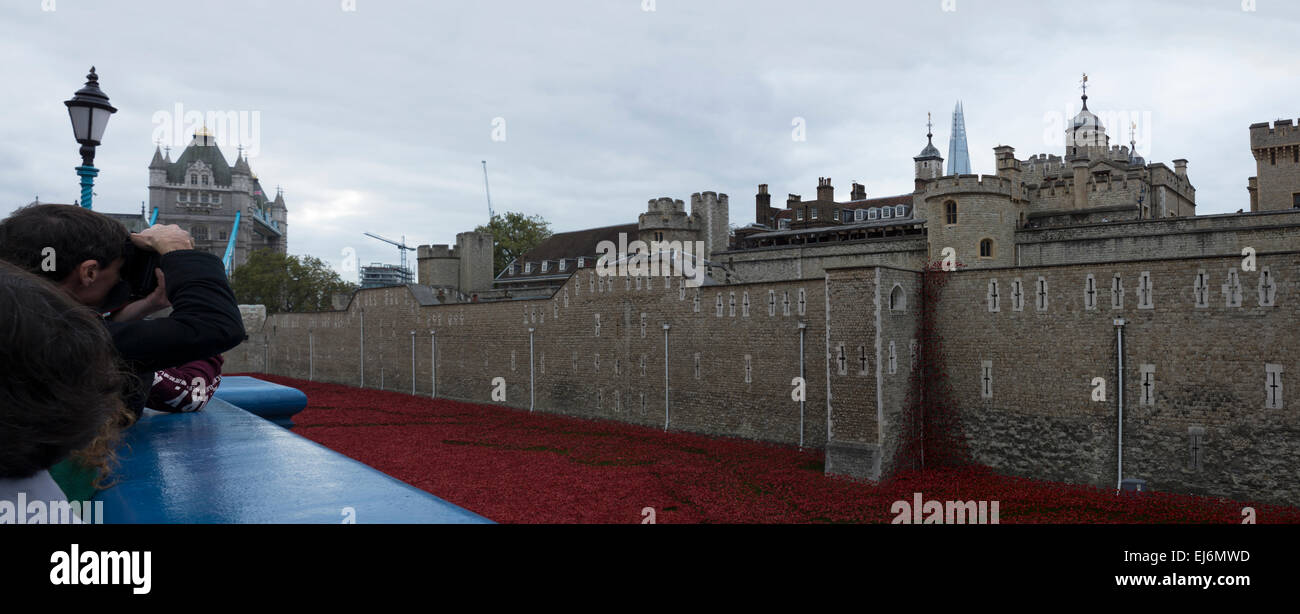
x=204, y=322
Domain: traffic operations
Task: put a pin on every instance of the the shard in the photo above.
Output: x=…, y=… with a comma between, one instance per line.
x=958, y=153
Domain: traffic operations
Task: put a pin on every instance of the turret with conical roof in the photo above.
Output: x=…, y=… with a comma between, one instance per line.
x=929, y=164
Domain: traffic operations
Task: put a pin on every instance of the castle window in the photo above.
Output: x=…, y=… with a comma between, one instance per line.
x=873, y=214
x=950, y=209
x=897, y=300
x=1273, y=386
x=1195, y=448
x=986, y=248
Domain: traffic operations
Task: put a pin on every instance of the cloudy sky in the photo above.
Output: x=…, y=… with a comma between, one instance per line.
x=376, y=119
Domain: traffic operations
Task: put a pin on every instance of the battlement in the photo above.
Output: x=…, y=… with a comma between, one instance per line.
x=707, y=198
x=433, y=251
x=1282, y=132
x=956, y=184
x=666, y=205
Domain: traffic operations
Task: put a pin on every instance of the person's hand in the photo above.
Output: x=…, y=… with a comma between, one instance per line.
x=163, y=239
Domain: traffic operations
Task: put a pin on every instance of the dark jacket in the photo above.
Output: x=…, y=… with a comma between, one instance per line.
x=204, y=322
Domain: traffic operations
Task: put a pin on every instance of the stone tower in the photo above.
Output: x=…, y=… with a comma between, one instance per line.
x=1276, y=184
x=710, y=212
x=929, y=163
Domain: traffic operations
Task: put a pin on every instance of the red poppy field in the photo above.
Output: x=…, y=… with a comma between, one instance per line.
x=515, y=467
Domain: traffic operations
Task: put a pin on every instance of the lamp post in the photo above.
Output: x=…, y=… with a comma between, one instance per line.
x=89, y=111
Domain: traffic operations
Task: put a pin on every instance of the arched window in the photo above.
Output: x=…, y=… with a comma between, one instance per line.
x=986, y=248
x=950, y=208
x=897, y=300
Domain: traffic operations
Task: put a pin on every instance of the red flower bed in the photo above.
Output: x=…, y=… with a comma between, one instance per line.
x=515, y=467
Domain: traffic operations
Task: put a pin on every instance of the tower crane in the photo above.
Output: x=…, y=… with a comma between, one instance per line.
x=402, y=247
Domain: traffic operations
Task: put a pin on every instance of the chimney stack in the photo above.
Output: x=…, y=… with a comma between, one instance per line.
x=859, y=192
x=1180, y=168
x=825, y=191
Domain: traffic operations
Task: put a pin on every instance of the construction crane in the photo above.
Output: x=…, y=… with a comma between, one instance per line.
x=402, y=247
x=488, y=190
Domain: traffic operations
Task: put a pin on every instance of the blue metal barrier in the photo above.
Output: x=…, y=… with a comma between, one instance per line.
x=224, y=465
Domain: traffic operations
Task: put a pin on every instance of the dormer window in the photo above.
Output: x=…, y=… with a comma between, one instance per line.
x=859, y=215
x=194, y=179
x=528, y=267
x=582, y=262
x=899, y=211
x=886, y=212
x=203, y=179
x=562, y=265
x=546, y=265
x=873, y=214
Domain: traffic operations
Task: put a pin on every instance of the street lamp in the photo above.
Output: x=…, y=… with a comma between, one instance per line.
x=89, y=110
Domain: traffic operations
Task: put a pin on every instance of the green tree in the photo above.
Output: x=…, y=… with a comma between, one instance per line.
x=286, y=283
x=513, y=235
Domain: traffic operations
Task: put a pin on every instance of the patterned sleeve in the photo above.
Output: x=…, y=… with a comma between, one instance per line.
x=185, y=388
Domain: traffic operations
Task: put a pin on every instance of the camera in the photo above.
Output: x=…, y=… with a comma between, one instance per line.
x=138, y=270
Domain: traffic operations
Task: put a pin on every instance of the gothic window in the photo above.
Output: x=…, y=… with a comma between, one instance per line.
x=986, y=248
x=1267, y=288
x=1090, y=293
x=950, y=210
x=1201, y=289
x=1147, y=383
x=897, y=300
x=1117, y=293
x=993, y=298
x=1041, y=294
x=1232, y=289
x=1273, y=386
